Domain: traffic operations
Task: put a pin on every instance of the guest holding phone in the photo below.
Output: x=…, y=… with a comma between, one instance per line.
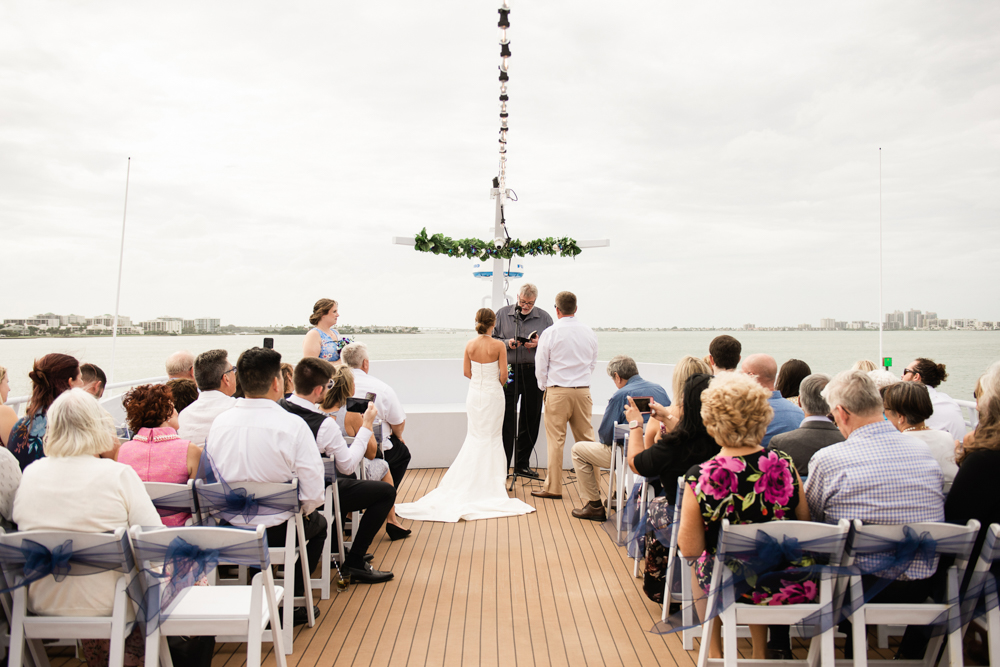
x=590, y=457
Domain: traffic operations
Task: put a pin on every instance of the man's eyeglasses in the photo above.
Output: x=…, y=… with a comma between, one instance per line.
x=231, y=370
x=521, y=302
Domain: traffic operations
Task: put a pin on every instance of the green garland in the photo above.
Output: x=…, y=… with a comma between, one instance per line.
x=439, y=244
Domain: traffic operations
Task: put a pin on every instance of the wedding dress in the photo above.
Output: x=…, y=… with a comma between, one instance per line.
x=473, y=487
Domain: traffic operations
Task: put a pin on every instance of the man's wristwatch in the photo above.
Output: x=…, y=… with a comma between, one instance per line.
x=634, y=424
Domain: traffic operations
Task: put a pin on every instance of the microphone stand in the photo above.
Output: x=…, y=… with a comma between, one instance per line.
x=513, y=457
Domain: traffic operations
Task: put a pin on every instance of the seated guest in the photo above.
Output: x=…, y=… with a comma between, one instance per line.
x=947, y=416
x=73, y=489
x=288, y=373
x=8, y=415
x=51, y=376
x=817, y=430
x=662, y=420
x=737, y=411
x=94, y=380
x=787, y=416
x=907, y=407
x=216, y=379
x=790, y=376
x=323, y=340
x=670, y=457
x=184, y=391
x=864, y=365
x=313, y=377
x=180, y=365
x=590, y=457
x=334, y=403
x=882, y=378
x=973, y=494
x=259, y=441
x=390, y=409
x=724, y=353
x=878, y=476
x=156, y=452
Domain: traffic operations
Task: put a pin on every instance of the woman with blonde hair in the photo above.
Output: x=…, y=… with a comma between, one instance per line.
x=743, y=483
x=73, y=489
x=377, y=469
x=664, y=418
x=323, y=340
x=864, y=365
x=8, y=416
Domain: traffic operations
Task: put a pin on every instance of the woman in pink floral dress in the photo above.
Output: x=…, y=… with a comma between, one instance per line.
x=744, y=483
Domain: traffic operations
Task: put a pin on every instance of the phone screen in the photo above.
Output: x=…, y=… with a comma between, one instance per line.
x=642, y=403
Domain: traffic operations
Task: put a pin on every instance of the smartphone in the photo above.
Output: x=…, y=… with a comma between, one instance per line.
x=642, y=403
x=357, y=404
x=370, y=396
x=268, y=343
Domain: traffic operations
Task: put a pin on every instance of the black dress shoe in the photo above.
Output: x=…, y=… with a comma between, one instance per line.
x=301, y=615
x=368, y=575
x=526, y=472
x=396, y=533
x=369, y=557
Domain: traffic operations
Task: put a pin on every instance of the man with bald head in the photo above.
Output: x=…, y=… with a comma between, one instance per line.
x=180, y=365
x=787, y=416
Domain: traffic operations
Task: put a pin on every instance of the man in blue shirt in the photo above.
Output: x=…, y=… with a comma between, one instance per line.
x=590, y=457
x=787, y=415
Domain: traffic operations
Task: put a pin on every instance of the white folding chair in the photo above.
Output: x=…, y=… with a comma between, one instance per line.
x=962, y=539
x=990, y=554
x=233, y=613
x=285, y=556
x=174, y=497
x=335, y=525
x=821, y=650
x=620, y=474
x=33, y=628
x=644, y=492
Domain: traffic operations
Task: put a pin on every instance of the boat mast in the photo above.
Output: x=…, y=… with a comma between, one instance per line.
x=500, y=190
x=118, y=294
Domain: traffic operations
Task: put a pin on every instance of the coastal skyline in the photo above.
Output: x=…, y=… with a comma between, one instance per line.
x=730, y=153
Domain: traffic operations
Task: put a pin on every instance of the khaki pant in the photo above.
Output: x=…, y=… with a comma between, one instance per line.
x=588, y=459
x=564, y=405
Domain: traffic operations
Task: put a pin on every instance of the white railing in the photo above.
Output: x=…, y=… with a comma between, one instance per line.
x=970, y=413
x=109, y=395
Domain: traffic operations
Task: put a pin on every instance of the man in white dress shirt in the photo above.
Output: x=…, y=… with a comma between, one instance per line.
x=564, y=361
x=259, y=441
x=312, y=380
x=216, y=379
x=390, y=409
x=947, y=414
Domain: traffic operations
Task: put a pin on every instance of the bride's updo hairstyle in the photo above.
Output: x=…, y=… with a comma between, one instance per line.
x=485, y=318
x=343, y=387
x=321, y=308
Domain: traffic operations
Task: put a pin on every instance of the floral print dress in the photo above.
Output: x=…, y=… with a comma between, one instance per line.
x=756, y=488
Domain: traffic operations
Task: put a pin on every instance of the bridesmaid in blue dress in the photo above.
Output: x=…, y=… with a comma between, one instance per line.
x=322, y=341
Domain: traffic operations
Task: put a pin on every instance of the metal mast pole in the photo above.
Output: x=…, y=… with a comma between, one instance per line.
x=118, y=294
x=881, y=314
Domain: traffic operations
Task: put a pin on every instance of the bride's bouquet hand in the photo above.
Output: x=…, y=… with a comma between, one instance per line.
x=369, y=416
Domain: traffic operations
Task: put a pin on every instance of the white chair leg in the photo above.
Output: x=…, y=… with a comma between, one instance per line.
x=611, y=476
x=993, y=628
x=730, y=652
x=860, y=638
x=277, y=638
x=882, y=632
x=304, y=564
x=706, y=632
x=17, y=628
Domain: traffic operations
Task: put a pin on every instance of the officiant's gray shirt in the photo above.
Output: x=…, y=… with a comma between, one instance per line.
x=537, y=320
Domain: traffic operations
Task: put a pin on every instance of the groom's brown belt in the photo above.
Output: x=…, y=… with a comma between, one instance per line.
x=586, y=386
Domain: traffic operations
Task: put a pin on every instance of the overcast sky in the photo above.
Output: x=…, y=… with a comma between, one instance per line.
x=729, y=151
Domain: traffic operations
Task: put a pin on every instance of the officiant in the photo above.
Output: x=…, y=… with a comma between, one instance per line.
x=522, y=320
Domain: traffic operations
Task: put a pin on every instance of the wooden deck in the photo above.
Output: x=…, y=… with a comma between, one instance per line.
x=541, y=589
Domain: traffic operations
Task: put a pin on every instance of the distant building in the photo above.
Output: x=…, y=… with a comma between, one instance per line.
x=206, y=325
x=162, y=325
x=107, y=321
x=805, y=326
x=828, y=323
x=749, y=327
x=840, y=326
x=38, y=321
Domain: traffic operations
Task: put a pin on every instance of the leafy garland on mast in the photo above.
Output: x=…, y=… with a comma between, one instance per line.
x=439, y=244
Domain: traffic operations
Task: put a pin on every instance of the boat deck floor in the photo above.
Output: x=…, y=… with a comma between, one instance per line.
x=541, y=589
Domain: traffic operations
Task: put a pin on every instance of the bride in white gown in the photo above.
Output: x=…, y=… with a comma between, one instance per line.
x=473, y=487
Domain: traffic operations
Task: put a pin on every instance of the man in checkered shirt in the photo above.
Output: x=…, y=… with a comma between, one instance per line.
x=880, y=476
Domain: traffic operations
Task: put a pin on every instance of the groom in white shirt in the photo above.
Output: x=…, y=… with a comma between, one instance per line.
x=564, y=361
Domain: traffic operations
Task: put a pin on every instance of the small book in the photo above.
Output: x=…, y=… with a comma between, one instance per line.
x=528, y=339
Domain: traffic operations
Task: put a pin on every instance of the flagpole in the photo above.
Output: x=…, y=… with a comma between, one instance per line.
x=118, y=294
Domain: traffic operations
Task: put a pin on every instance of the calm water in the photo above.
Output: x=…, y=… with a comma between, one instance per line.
x=965, y=353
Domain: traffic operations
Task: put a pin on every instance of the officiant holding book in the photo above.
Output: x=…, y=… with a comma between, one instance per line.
x=519, y=327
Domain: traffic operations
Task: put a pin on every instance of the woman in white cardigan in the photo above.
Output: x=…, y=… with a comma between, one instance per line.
x=73, y=489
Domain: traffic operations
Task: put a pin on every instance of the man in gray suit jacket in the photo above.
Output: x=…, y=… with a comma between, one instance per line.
x=817, y=430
